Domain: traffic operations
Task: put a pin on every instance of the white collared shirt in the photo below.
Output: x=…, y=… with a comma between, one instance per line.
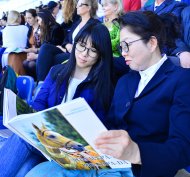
x=156, y=5
x=75, y=32
x=147, y=75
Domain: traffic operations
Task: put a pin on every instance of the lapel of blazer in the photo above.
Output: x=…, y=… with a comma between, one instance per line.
x=163, y=5
x=160, y=76
x=132, y=84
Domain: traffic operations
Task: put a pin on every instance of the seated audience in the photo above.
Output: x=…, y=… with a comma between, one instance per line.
x=14, y=34
x=166, y=6
x=34, y=43
x=87, y=74
x=59, y=17
x=113, y=10
x=51, y=55
x=184, y=44
x=70, y=15
x=3, y=22
x=150, y=106
x=53, y=7
x=14, y=37
x=50, y=33
x=176, y=8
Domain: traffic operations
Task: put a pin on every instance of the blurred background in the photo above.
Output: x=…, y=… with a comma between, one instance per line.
x=21, y=5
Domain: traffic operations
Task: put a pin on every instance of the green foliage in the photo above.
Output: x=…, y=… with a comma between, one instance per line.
x=22, y=107
x=62, y=126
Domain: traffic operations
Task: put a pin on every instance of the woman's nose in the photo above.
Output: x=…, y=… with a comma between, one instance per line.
x=85, y=52
x=124, y=53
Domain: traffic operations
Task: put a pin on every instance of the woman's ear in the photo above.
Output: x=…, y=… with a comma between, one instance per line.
x=115, y=8
x=152, y=43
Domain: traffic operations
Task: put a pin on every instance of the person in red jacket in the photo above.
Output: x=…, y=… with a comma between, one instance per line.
x=130, y=5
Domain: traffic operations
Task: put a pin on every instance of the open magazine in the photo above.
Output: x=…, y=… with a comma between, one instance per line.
x=64, y=133
x=11, y=108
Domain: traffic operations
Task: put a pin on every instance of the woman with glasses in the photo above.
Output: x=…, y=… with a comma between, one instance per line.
x=70, y=15
x=50, y=55
x=87, y=74
x=150, y=106
x=113, y=9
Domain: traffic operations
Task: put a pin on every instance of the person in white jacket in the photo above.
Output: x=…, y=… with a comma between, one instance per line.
x=14, y=35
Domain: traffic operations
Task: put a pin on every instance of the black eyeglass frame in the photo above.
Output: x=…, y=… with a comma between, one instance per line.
x=88, y=49
x=83, y=4
x=127, y=44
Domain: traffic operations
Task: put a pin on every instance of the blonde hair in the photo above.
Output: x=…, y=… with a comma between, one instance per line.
x=94, y=7
x=119, y=3
x=14, y=18
x=68, y=9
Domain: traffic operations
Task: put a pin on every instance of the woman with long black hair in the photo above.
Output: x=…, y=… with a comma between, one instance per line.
x=87, y=74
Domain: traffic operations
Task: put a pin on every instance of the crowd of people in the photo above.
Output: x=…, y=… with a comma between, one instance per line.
x=128, y=59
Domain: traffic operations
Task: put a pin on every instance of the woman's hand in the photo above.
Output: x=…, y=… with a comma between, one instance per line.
x=185, y=59
x=61, y=48
x=69, y=47
x=31, y=56
x=29, y=50
x=118, y=144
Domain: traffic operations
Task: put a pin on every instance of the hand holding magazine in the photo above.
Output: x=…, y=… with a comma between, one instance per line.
x=64, y=133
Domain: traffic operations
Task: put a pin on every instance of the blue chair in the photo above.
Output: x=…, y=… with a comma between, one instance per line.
x=25, y=86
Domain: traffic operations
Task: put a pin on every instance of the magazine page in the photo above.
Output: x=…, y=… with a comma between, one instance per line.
x=9, y=105
x=85, y=121
x=56, y=133
x=12, y=106
x=9, y=101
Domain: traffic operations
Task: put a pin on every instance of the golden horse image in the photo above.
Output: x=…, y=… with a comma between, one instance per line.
x=69, y=153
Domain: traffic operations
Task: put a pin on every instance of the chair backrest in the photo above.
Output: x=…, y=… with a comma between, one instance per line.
x=25, y=86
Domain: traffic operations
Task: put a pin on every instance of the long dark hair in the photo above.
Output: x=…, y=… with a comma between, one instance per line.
x=101, y=72
x=48, y=22
x=32, y=12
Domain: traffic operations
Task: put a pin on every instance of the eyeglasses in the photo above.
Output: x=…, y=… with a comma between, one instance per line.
x=83, y=4
x=92, y=52
x=124, y=46
x=105, y=4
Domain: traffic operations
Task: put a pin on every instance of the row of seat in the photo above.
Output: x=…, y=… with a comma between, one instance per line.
x=25, y=86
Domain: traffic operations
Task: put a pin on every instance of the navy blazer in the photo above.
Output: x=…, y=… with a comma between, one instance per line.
x=50, y=96
x=184, y=43
x=168, y=6
x=69, y=39
x=158, y=120
x=186, y=26
x=174, y=7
